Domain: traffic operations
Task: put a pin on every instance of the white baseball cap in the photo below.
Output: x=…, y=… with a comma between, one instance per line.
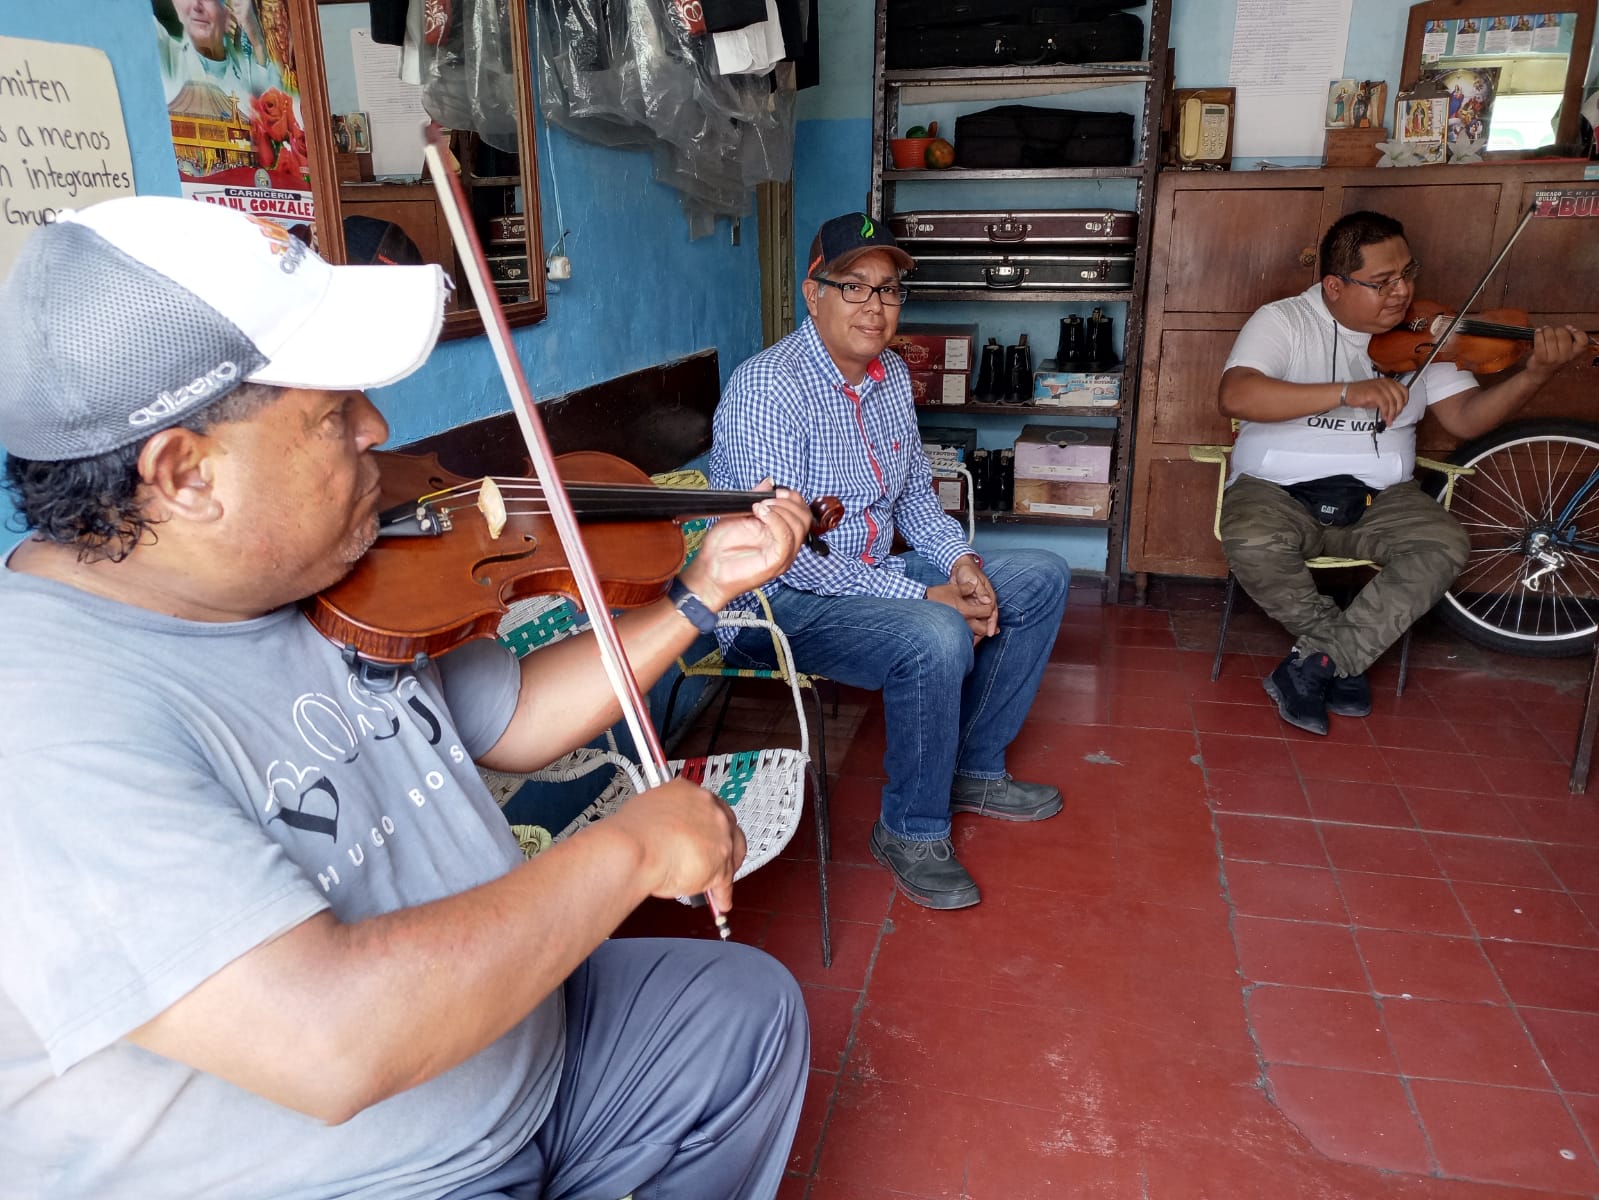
x=131, y=315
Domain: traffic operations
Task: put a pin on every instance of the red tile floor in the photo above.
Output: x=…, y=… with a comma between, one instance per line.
x=1244, y=963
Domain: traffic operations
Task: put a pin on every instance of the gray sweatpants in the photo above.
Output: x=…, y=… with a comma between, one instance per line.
x=685, y=1068
x=1267, y=535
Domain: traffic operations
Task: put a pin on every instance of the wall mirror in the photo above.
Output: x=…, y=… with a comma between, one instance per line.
x=1533, y=54
x=372, y=202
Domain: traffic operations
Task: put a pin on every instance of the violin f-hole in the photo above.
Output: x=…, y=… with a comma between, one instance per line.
x=481, y=569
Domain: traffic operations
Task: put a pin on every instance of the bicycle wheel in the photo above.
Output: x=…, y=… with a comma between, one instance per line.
x=1531, y=509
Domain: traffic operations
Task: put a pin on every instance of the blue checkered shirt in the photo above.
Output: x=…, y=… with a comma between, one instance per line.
x=790, y=414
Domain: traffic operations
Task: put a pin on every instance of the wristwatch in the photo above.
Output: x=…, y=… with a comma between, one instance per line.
x=699, y=614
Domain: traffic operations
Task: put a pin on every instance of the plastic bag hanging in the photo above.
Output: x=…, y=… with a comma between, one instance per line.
x=468, y=78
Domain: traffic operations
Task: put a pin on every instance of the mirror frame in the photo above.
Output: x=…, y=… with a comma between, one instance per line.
x=305, y=29
x=1576, y=68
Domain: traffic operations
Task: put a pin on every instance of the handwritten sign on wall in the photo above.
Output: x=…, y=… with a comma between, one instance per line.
x=62, y=140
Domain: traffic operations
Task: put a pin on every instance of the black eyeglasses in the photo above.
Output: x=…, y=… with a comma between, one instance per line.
x=859, y=293
x=1389, y=286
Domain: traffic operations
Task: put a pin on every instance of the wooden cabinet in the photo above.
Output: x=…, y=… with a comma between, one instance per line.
x=1225, y=244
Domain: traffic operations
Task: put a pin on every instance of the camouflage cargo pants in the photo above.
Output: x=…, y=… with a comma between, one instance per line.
x=1267, y=535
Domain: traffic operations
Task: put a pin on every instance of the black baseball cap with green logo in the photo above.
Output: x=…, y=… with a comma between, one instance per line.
x=842, y=240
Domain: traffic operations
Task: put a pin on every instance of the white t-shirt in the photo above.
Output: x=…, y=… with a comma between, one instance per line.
x=1297, y=341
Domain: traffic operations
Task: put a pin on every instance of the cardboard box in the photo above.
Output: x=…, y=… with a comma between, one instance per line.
x=1072, y=388
x=941, y=387
x=951, y=492
x=959, y=439
x=1074, y=453
x=1052, y=497
x=936, y=347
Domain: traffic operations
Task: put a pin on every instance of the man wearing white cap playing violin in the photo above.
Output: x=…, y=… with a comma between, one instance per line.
x=267, y=934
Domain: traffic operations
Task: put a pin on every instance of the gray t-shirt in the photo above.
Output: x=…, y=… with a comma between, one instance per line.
x=176, y=793
x=1297, y=341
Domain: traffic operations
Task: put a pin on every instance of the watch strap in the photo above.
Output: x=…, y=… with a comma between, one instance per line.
x=699, y=614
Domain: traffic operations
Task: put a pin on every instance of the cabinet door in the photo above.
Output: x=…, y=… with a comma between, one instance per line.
x=1553, y=269
x=1232, y=251
x=1175, y=525
x=1187, y=374
x=1449, y=227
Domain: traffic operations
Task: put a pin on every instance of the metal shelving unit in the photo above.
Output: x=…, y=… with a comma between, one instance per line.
x=894, y=88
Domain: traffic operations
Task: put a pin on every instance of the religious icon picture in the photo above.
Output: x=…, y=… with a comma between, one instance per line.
x=1341, y=104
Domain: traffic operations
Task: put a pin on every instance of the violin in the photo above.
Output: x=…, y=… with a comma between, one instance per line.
x=453, y=554
x=1486, y=344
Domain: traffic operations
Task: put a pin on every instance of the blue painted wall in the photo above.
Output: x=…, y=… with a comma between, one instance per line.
x=641, y=291
x=832, y=173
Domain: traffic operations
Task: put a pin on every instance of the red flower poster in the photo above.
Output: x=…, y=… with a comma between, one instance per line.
x=233, y=101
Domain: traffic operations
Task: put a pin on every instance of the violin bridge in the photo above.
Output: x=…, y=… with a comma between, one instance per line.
x=492, y=505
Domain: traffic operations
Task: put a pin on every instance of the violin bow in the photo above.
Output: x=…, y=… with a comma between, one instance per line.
x=452, y=200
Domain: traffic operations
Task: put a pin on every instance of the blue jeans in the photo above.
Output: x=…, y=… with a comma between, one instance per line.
x=948, y=709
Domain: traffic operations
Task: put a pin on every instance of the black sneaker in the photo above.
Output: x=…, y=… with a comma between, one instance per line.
x=1299, y=685
x=1006, y=798
x=927, y=872
x=1349, y=696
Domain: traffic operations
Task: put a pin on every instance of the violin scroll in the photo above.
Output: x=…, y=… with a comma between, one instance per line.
x=826, y=513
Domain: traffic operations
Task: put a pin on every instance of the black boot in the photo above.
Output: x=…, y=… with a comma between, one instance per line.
x=1069, y=354
x=1101, y=349
x=989, y=372
x=1021, y=372
x=1004, y=480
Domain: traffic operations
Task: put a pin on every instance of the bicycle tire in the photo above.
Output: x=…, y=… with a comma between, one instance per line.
x=1529, y=587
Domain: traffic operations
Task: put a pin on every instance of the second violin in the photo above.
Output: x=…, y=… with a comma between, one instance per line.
x=1486, y=344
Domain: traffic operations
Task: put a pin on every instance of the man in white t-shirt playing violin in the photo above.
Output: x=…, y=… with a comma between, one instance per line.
x=1313, y=474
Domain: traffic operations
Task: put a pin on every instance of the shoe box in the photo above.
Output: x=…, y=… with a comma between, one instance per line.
x=1076, y=389
x=940, y=359
x=1064, y=470
x=946, y=446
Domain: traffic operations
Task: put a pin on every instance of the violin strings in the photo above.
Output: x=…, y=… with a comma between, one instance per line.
x=1495, y=329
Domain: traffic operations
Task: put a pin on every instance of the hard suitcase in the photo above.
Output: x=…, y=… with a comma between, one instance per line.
x=934, y=14
x=1104, y=270
x=1116, y=37
x=1067, y=225
x=1030, y=137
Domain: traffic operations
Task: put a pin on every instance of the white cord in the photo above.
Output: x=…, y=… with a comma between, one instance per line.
x=549, y=145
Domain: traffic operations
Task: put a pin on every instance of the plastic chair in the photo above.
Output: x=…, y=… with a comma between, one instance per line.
x=765, y=788
x=1322, y=562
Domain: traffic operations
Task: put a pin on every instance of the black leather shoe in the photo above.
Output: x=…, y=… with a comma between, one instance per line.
x=1299, y=685
x=1006, y=798
x=927, y=872
x=1349, y=696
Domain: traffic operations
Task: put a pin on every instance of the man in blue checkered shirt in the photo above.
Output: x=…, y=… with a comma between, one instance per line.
x=956, y=645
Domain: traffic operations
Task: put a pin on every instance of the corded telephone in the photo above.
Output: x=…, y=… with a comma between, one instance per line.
x=1204, y=127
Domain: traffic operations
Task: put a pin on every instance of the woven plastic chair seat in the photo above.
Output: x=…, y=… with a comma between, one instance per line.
x=764, y=788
